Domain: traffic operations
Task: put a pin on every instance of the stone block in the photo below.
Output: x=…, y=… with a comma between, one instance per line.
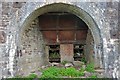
x=68, y=65
x=66, y=51
x=2, y=37
x=78, y=63
x=17, y=4
x=114, y=34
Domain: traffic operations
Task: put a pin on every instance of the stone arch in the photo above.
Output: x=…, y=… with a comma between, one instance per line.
x=71, y=9
x=68, y=8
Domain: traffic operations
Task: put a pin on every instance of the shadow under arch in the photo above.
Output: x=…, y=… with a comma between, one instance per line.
x=63, y=7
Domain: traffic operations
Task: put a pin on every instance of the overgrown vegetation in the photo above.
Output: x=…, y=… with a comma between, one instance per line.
x=54, y=72
x=70, y=72
x=32, y=75
x=93, y=76
x=90, y=67
x=51, y=72
x=54, y=55
x=84, y=60
x=64, y=62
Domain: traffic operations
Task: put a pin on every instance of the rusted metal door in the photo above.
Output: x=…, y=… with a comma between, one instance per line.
x=65, y=28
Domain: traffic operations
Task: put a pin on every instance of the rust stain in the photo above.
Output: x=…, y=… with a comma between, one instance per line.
x=62, y=28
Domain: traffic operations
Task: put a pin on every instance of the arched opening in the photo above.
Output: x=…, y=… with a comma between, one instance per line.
x=66, y=37
x=68, y=29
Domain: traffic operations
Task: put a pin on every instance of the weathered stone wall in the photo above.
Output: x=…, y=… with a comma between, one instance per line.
x=89, y=48
x=0, y=45
x=31, y=51
x=112, y=40
x=105, y=15
x=7, y=11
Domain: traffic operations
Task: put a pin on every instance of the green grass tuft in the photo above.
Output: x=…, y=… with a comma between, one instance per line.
x=90, y=67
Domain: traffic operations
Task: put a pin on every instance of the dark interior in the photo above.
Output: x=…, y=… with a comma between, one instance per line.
x=63, y=28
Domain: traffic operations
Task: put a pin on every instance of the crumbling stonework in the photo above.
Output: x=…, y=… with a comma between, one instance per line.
x=30, y=54
x=89, y=48
x=101, y=18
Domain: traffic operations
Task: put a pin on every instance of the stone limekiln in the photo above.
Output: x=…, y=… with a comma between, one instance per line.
x=25, y=45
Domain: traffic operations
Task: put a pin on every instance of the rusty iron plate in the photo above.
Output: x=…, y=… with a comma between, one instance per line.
x=50, y=36
x=81, y=35
x=67, y=22
x=47, y=22
x=66, y=36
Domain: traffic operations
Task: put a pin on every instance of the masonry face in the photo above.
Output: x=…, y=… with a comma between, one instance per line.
x=31, y=33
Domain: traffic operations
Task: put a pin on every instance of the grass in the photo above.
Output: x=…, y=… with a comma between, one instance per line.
x=93, y=76
x=32, y=75
x=54, y=72
x=51, y=72
x=70, y=72
x=90, y=67
x=84, y=60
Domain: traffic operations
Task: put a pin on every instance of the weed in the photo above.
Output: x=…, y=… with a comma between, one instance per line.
x=90, y=67
x=64, y=62
x=32, y=75
x=51, y=72
x=84, y=60
x=54, y=72
x=93, y=76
